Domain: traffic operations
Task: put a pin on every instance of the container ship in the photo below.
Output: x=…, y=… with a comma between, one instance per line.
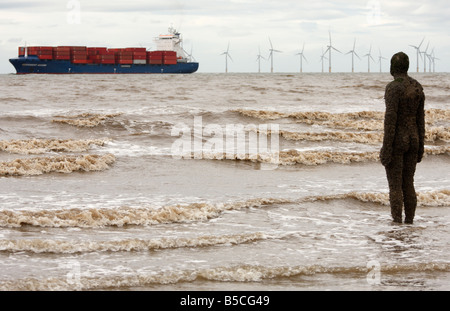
x=169, y=57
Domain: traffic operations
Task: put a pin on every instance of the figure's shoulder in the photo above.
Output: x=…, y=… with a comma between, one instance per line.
x=415, y=83
x=395, y=86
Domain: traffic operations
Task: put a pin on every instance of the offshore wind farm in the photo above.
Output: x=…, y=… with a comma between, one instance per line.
x=422, y=58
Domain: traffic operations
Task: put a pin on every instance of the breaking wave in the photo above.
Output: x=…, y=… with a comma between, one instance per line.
x=59, y=164
x=432, y=134
x=364, y=120
x=38, y=146
x=293, y=157
x=237, y=273
x=70, y=247
x=86, y=119
x=140, y=216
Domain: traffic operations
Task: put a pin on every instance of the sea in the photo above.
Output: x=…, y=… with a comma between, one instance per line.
x=215, y=182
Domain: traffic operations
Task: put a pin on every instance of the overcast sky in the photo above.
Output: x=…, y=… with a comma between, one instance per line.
x=208, y=26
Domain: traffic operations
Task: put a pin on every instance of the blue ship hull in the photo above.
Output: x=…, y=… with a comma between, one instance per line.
x=34, y=65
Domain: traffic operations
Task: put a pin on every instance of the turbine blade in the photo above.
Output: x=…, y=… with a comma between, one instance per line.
x=421, y=42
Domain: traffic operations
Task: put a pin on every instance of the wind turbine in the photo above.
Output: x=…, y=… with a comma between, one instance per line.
x=380, y=58
x=271, y=55
x=369, y=56
x=322, y=57
x=430, y=58
x=353, y=55
x=329, y=48
x=227, y=55
x=424, y=58
x=418, y=52
x=433, y=59
x=302, y=56
x=258, y=59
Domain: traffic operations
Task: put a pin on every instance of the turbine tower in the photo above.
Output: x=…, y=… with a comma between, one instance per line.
x=418, y=52
x=380, y=58
x=353, y=55
x=258, y=59
x=329, y=48
x=430, y=58
x=271, y=55
x=302, y=56
x=425, y=58
x=369, y=56
x=227, y=55
x=433, y=59
x=322, y=57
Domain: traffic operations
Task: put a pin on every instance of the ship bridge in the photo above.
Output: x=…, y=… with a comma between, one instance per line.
x=171, y=42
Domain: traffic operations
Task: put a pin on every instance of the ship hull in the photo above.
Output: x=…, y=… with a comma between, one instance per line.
x=34, y=65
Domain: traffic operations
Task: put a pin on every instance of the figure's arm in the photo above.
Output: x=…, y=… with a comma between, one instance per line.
x=421, y=127
x=390, y=123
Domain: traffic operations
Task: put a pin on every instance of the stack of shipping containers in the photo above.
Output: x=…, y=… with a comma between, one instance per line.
x=139, y=55
x=61, y=53
x=101, y=55
x=170, y=58
x=43, y=52
x=124, y=57
x=79, y=54
x=108, y=58
x=155, y=58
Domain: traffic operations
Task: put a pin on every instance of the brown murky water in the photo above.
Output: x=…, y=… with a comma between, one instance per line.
x=92, y=195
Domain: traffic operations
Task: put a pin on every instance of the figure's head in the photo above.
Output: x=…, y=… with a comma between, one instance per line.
x=399, y=64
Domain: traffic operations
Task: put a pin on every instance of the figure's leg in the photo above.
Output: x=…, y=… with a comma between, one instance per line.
x=409, y=192
x=394, y=176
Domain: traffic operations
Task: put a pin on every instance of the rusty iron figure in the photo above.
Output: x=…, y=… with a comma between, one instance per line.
x=403, y=142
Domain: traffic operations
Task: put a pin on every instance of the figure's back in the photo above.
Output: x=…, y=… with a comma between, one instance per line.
x=408, y=97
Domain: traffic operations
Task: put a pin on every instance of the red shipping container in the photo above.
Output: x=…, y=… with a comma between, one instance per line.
x=101, y=51
x=136, y=49
x=170, y=53
x=79, y=54
x=126, y=61
x=170, y=61
x=115, y=50
x=63, y=49
x=47, y=57
x=91, y=51
x=156, y=55
x=62, y=57
x=140, y=55
x=21, y=51
x=155, y=61
x=79, y=61
x=108, y=59
x=33, y=50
